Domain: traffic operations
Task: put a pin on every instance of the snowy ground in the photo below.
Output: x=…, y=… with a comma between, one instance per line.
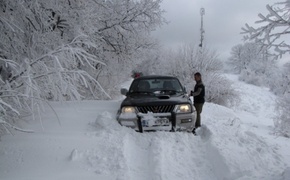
x=233, y=144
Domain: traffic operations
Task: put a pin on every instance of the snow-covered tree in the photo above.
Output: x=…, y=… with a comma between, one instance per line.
x=285, y=85
x=252, y=63
x=218, y=88
x=274, y=34
x=41, y=56
x=282, y=122
x=236, y=61
x=123, y=32
x=190, y=59
x=68, y=50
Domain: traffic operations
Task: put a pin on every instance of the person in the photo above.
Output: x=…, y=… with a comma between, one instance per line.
x=198, y=97
x=137, y=75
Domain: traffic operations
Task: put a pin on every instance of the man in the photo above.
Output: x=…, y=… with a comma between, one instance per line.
x=198, y=96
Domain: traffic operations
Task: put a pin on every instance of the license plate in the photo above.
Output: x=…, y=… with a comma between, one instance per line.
x=162, y=121
x=156, y=122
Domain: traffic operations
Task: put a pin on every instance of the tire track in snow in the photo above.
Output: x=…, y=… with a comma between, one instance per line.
x=102, y=149
x=143, y=154
x=170, y=156
x=137, y=157
x=156, y=155
x=188, y=157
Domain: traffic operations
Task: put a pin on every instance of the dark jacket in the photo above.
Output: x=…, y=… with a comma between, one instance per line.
x=198, y=93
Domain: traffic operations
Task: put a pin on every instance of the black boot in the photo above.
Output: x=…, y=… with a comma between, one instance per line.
x=193, y=131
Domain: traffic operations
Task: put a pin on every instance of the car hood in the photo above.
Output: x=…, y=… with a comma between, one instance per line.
x=149, y=100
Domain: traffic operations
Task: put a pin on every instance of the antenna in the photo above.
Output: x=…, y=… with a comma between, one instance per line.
x=202, y=13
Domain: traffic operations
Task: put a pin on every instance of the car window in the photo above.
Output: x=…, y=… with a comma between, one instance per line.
x=172, y=84
x=156, y=84
x=140, y=86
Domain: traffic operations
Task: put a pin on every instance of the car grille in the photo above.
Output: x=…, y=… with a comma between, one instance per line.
x=156, y=109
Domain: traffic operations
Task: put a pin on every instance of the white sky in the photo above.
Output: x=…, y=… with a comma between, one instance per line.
x=223, y=21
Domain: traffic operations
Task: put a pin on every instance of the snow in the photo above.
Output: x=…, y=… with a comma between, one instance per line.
x=236, y=143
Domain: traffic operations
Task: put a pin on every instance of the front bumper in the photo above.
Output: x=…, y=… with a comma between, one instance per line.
x=177, y=122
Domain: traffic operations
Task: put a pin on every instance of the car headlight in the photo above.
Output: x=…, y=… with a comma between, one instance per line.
x=128, y=109
x=183, y=108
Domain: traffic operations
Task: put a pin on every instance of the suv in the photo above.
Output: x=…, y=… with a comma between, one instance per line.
x=156, y=103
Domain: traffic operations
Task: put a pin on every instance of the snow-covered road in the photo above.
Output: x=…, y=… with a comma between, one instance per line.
x=122, y=153
x=234, y=143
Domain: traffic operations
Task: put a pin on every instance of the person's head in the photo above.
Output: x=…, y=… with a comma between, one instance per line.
x=197, y=76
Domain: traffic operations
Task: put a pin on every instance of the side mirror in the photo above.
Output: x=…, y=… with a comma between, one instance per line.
x=124, y=91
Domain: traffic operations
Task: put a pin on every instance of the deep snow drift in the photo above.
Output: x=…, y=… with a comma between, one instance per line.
x=233, y=143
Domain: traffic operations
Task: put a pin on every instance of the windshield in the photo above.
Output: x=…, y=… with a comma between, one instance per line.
x=156, y=85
